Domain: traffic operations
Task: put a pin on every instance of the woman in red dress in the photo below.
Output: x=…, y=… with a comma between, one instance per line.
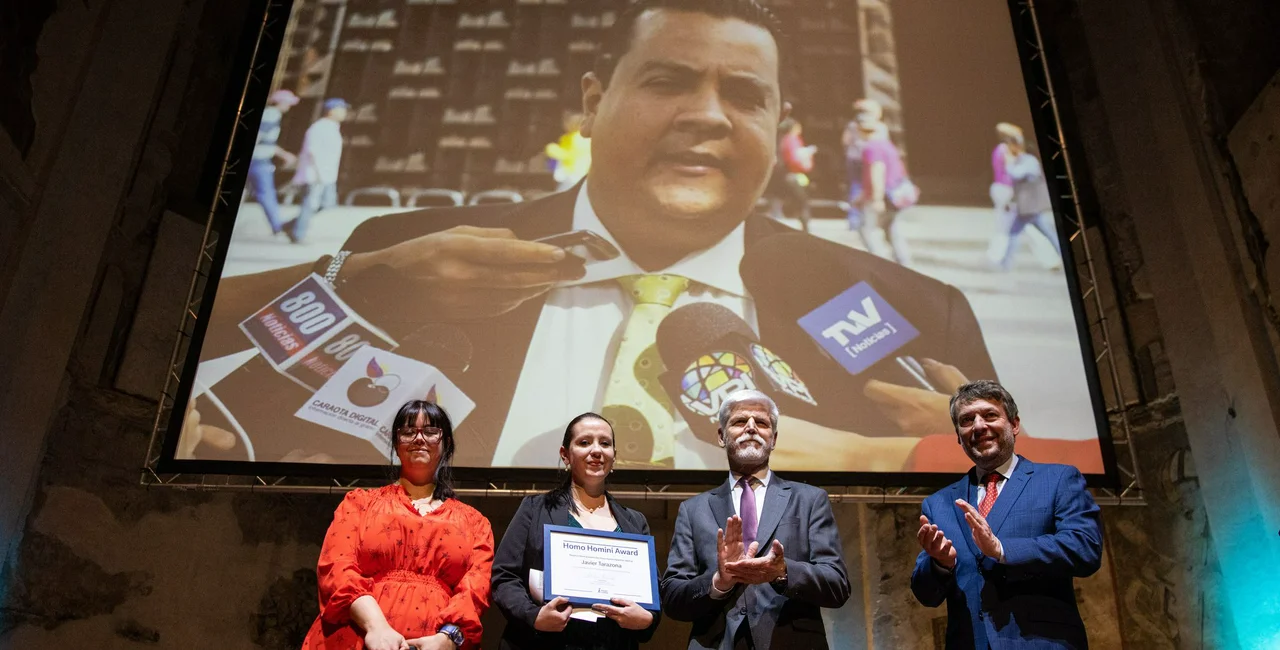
x=406, y=566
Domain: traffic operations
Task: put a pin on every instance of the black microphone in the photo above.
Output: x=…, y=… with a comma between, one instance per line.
x=818, y=288
x=343, y=375
x=307, y=333
x=445, y=345
x=709, y=352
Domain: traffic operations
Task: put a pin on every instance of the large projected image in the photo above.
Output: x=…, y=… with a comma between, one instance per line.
x=526, y=210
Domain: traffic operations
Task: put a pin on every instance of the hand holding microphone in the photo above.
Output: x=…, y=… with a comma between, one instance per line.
x=919, y=412
x=311, y=336
x=810, y=447
x=866, y=332
x=467, y=272
x=195, y=434
x=709, y=353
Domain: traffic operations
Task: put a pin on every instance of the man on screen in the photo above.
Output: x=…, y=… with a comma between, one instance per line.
x=682, y=111
x=1027, y=528
x=754, y=561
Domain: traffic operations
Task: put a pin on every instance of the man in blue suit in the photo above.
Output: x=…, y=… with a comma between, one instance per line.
x=1028, y=530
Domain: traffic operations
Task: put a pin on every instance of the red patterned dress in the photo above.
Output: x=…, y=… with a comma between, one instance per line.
x=424, y=570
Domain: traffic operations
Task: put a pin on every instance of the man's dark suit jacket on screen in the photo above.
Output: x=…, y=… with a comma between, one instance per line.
x=484, y=357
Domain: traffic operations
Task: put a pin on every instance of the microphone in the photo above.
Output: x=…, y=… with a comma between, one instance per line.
x=709, y=353
x=447, y=346
x=307, y=333
x=348, y=379
x=838, y=307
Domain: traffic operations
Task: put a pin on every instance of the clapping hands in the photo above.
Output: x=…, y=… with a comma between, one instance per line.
x=737, y=563
x=935, y=543
x=983, y=536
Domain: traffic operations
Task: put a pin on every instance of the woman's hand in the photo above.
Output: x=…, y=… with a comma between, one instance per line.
x=626, y=613
x=382, y=637
x=553, y=616
x=436, y=641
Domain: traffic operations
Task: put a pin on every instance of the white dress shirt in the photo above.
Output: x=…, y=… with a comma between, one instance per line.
x=321, y=154
x=575, y=340
x=759, y=488
x=1005, y=471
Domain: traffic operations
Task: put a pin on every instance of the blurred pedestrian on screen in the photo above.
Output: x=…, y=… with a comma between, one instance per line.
x=318, y=166
x=1031, y=203
x=795, y=161
x=1043, y=247
x=886, y=188
x=262, y=168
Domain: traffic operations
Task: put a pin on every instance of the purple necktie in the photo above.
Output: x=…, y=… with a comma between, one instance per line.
x=747, y=510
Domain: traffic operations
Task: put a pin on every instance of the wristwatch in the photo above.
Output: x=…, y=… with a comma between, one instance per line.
x=453, y=632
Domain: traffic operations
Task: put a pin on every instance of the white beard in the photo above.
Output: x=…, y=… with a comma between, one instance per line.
x=750, y=454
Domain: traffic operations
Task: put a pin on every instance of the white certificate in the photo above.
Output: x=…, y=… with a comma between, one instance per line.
x=592, y=566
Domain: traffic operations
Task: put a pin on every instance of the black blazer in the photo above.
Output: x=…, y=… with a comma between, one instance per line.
x=484, y=357
x=521, y=550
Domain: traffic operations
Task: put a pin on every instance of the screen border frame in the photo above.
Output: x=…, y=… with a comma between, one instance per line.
x=253, y=92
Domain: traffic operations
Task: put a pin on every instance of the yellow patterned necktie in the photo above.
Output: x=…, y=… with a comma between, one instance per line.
x=633, y=399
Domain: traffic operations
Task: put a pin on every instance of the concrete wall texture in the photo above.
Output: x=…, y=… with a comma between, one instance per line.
x=1172, y=111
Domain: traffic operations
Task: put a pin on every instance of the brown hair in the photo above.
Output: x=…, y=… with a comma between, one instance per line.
x=985, y=389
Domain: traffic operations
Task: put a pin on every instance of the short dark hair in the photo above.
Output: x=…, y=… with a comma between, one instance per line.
x=986, y=389
x=618, y=39
x=436, y=417
x=559, y=495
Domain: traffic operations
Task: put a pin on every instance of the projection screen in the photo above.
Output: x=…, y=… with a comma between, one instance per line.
x=523, y=212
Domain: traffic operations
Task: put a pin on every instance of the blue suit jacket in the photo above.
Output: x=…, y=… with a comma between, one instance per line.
x=1051, y=531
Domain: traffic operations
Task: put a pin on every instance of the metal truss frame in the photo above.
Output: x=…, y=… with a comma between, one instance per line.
x=1057, y=162
x=1056, y=158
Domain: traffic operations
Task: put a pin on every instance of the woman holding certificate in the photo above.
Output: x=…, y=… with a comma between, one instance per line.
x=581, y=501
x=406, y=566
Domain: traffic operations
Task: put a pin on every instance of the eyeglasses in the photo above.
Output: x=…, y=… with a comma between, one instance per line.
x=409, y=434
